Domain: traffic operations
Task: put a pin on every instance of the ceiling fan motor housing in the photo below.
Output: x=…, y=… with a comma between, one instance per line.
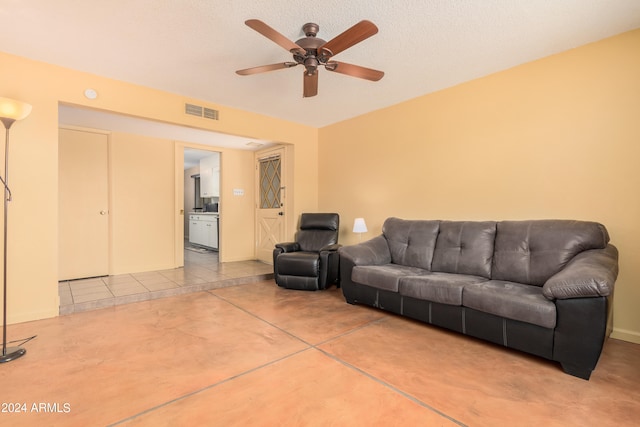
x=310, y=44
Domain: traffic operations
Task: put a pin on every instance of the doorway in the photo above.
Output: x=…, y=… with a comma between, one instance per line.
x=201, y=200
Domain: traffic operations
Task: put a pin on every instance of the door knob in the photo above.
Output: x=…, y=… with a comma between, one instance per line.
x=280, y=213
x=103, y=212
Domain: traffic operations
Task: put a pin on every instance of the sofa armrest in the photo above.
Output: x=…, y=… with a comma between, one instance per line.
x=331, y=248
x=372, y=252
x=329, y=265
x=591, y=273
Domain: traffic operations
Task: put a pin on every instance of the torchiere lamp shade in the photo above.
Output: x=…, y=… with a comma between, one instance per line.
x=12, y=110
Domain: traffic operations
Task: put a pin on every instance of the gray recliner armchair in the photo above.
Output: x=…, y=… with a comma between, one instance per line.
x=311, y=262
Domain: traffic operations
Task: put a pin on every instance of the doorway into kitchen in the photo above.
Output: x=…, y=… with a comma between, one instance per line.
x=201, y=203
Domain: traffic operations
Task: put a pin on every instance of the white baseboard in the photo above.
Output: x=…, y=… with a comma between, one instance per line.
x=626, y=335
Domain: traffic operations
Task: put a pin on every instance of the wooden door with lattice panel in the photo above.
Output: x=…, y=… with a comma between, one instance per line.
x=270, y=203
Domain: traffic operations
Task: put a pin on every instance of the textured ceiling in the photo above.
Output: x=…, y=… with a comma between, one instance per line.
x=193, y=47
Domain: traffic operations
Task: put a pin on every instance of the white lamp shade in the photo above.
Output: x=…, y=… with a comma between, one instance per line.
x=14, y=110
x=359, y=226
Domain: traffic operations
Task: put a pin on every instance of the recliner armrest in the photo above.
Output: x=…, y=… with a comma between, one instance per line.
x=591, y=273
x=288, y=246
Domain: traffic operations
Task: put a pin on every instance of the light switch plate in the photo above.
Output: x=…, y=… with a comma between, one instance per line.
x=238, y=192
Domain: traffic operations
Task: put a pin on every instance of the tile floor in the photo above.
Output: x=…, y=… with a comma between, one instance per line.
x=259, y=355
x=201, y=272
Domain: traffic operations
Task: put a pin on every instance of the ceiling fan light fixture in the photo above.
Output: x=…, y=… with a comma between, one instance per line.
x=311, y=64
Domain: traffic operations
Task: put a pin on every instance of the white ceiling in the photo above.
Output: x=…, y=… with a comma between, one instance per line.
x=193, y=47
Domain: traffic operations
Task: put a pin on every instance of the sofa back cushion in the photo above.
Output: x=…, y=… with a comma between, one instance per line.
x=532, y=251
x=411, y=242
x=465, y=247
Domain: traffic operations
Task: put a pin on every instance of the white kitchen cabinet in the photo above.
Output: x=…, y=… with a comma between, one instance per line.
x=210, y=176
x=203, y=230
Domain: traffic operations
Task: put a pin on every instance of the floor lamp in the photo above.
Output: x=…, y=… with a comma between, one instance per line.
x=10, y=111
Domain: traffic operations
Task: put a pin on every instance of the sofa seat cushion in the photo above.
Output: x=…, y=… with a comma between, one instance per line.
x=445, y=288
x=511, y=300
x=385, y=276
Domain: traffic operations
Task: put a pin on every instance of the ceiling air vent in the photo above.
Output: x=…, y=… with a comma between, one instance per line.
x=210, y=113
x=196, y=110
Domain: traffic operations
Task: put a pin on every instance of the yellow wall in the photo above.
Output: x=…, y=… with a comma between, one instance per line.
x=555, y=138
x=33, y=229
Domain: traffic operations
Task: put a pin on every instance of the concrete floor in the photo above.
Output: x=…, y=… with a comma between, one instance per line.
x=259, y=355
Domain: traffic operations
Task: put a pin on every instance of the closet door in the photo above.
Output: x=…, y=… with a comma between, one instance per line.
x=83, y=204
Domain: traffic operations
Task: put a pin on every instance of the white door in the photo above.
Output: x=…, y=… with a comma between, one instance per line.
x=83, y=204
x=270, y=202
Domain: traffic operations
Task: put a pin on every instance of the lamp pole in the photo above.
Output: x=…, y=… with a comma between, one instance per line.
x=10, y=111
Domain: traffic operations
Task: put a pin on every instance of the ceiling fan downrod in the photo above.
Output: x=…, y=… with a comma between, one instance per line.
x=310, y=43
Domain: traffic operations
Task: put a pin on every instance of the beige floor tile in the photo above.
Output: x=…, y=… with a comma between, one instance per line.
x=101, y=289
x=127, y=289
x=157, y=286
x=96, y=281
x=65, y=297
x=86, y=287
x=197, y=275
x=93, y=296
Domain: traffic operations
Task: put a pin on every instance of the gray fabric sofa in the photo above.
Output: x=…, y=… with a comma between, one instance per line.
x=541, y=286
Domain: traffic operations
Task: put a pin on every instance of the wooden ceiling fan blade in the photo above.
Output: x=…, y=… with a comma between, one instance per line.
x=274, y=36
x=310, y=84
x=359, y=32
x=265, y=68
x=354, y=70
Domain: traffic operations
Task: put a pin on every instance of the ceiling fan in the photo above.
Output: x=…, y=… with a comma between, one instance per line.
x=313, y=52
